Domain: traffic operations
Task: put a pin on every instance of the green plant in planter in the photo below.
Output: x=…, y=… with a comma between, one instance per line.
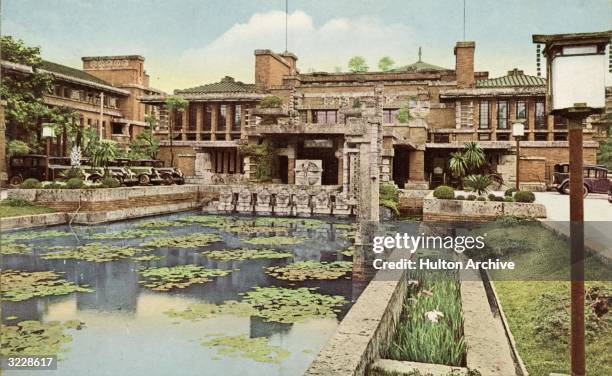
x=110, y=182
x=477, y=183
x=74, y=183
x=30, y=183
x=524, y=196
x=54, y=185
x=509, y=192
x=508, y=199
x=481, y=198
x=460, y=197
x=471, y=197
x=271, y=101
x=444, y=192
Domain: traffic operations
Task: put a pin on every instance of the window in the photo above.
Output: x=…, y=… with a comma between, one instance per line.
x=221, y=125
x=521, y=110
x=503, y=137
x=112, y=102
x=57, y=90
x=484, y=115
x=540, y=137
x=117, y=128
x=324, y=116
x=237, y=118
x=207, y=117
x=389, y=116
x=560, y=137
x=193, y=113
x=178, y=120
x=441, y=138
x=540, y=116
x=502, y=115
x=484, y=136
x=466, y=114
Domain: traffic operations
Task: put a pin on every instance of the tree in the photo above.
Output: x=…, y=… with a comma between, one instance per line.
x=145, y=145
x=477, y=183
x=385, y=63
x=357, y=64
x=103, y=152
x=474, y=156
x=23, y=92
x=175, y=105
x=604, y=154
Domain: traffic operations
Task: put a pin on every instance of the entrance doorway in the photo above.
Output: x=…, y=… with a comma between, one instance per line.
x=283, y=166
x=401, y=167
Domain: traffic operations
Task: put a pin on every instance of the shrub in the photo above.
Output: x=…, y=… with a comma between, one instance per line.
x=53, y=185
x=30, y=183
x=472, y=197
x=444, y=192
x=460, y=197
x=524, y=196
x=498, y=198
x=509, y=192
x=74, y=183
x=16, y=202
x=477, y=183
x=271, y=101
x=17, y=147
x=480, y=198
x=110, y=182
x=491, y=196
x=508, y=199
x=389, y=197
x=74, y=172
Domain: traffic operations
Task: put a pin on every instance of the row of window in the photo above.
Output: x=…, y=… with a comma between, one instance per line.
x=521, y=111
x=445, y=137
x=225, y=110
x=82, y=96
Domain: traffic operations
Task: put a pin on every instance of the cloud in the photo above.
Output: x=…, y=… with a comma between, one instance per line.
x=317, y=47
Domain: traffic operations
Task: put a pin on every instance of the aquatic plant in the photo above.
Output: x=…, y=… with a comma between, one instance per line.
x=93, y=252
x=304, y=270
x=257, y=349
x=14, y=249
x=18, y=285
x=198, y=311
x=346, y=226
x=127, y=234
x=246, y=254
x=207, y=218
x=276, y=240
x=195, y=240
x=32, y=235
x=159, y=223
x=35, y=337
x=291, y=305
x=147, y=258
x=348, y=252
x=180, y=276
x=289, y=222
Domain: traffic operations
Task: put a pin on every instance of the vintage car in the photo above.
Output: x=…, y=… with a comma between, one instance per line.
x=154, y=170
x=23, y=167
x=595, y=178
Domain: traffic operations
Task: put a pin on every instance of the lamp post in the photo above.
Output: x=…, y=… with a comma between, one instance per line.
x=576, y=89
x=518, y=131
x=48, y=132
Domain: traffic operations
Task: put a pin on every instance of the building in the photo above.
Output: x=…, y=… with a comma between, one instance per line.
x=447, y=108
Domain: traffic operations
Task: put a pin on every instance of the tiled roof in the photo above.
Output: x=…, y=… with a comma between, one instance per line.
x=419, y=66
x=71, y=72
x=226, y=85
x=515, y=78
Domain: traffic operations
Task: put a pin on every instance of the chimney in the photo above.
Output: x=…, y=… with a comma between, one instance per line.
x=270, y=68
x=464, y=64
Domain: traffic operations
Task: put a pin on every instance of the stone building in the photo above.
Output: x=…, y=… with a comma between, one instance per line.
x=325, y=116
x=104, y=94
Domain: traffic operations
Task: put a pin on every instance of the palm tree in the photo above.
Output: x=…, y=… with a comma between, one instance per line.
x=104, y=151
x=478, y=183
x=474, y=156
x=178, y=104
x=458, y=165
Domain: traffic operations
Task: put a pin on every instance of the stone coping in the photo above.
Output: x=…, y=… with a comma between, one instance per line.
x=34, y=220
x=386, y=367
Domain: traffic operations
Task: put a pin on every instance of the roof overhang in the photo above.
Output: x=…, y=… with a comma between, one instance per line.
x=497, y=92
x=490, y=145
x=212, y=97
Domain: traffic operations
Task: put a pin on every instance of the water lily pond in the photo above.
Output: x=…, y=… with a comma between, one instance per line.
x=187, y=294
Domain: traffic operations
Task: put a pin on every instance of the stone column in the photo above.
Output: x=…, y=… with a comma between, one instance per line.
x=214, y=121
x=416, y=170
x=242, y=121
x=199, y=120
x=185, y=116
x=493, y=117
x=229, y=121
x=530, y=125
x=203, y=166
x=292, y=146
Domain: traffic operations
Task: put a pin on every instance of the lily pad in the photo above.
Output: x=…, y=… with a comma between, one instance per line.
x=276, y=240
x=127, y=234
x=14, y=249
x=305, y=270
x=285, y=305
x=203, y=219
x=180, y=276
x=93, y=252
x=159, y=223
x=290, y=222
x=32, y=235
x=195, y=240
x=349, y=252
x=18, y=285
x=35, y=337
x=257, y=349
x=246, y=254
x=198, y=311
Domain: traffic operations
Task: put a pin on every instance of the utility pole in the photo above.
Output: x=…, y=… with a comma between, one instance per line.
x=100, y=128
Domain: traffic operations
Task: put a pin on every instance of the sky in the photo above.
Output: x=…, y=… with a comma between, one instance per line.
x=191, y=42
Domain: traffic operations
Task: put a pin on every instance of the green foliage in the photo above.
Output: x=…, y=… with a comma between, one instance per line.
x=159, y=223
x=271, y=101
x=17, y=202
x=481, y=198
x=509, y=192
x=18, y=285
x=54, y=185
x=460, y=197
x=467, y=161
x=430, y=328
x=276, y=240
x=508, y=199
x=194, y=240
x=257, y=348
x=127, y=234
x=444, y=192
x=307, y=270
x=17, y=147
x=30, y=183
x=14, y=249
x=357, y=64
x=110, y=182
x=265, y=157
x=403, y=115
x=35, y=337
x=246, y=254
x=179, y=277
x=471, y=197
x=92, y=252
x=176, y=103
x=524, y=196
x=74, y=183
x=477, y=183
x=145, y=145
x=385, y=63
x=604, y=153
x=389, y=197
x=101, y=152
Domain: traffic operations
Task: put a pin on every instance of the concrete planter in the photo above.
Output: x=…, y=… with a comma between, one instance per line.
x=477, y=211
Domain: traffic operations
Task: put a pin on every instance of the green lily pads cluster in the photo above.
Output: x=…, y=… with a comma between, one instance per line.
x=180, y=276
x=289, y=222
x=257, y=349
x=93, y=252
x=127, y=234
x=147, y=258
x=198, y=311
x=305, y=270
x=14, y=249
x=206, y=219
x=195, y=240
x=32, y=235
x=246, y=254
x=346, y=226
x=159, y=223
x=18, y=285
x=276, y=240
x=348, y=252
x=35, y=337
x=285, y=305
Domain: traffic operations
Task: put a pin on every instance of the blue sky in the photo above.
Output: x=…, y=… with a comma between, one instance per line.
x=190, y=42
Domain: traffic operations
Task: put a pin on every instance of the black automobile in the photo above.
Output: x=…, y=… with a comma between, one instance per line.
x=27, y=166
x=595, y=179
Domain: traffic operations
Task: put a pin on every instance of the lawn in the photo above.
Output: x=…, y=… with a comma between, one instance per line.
x=13, y=208
x=538, y=310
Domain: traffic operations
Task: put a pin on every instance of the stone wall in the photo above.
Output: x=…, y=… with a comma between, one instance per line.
x=435, y=210
x=411, y=201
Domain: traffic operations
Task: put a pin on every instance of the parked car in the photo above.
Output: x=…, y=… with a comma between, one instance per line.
x=154, y=170
x=23, y=167
x=595, y=179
